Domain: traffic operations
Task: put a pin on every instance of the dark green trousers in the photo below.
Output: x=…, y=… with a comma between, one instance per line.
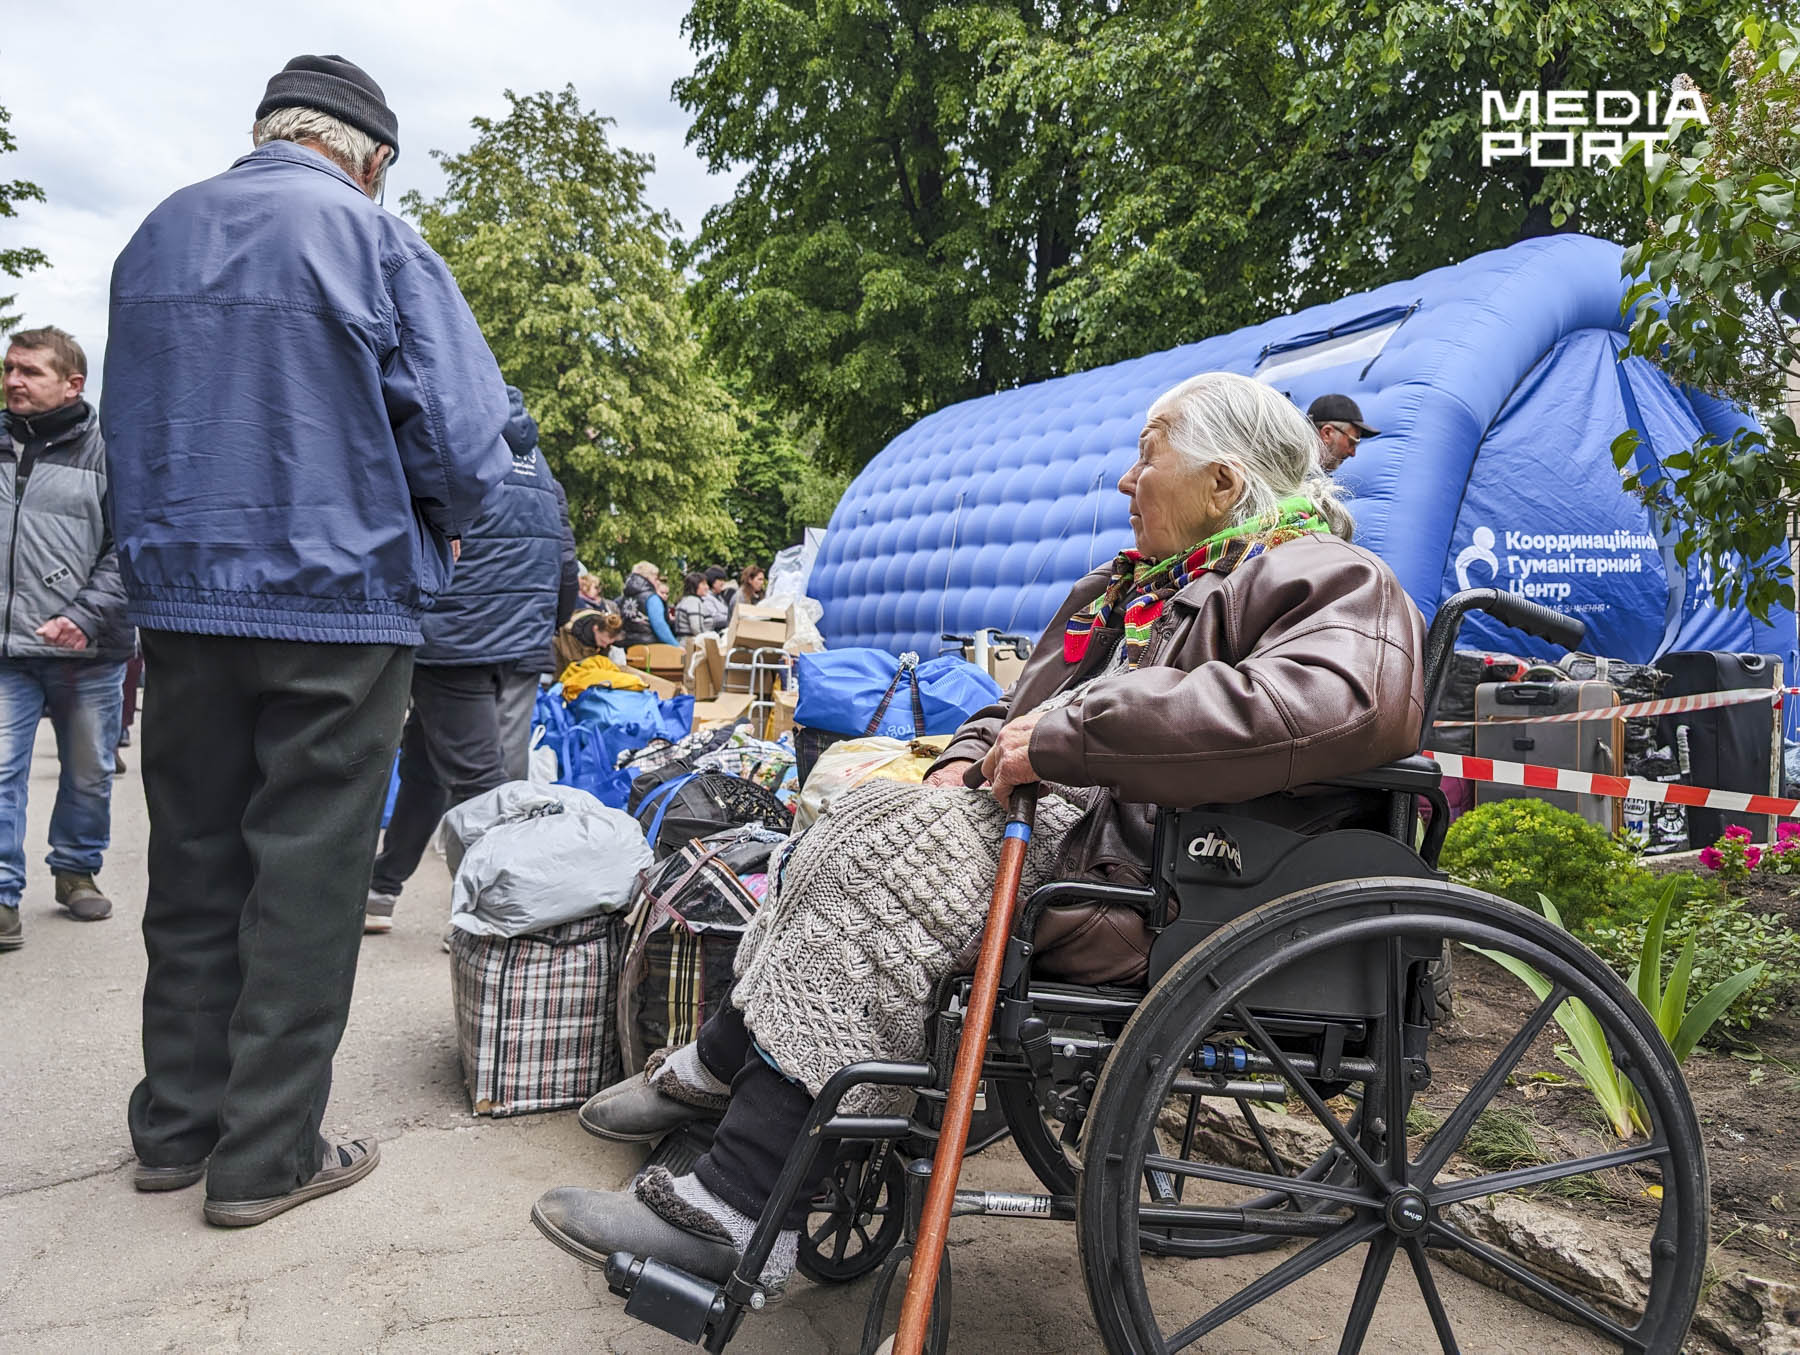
x=265, y=769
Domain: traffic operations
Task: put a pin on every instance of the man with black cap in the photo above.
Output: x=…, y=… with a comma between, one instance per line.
x=1341, y=427
x=302, y=421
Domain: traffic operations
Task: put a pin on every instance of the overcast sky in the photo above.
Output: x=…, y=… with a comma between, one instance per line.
x=117, y=103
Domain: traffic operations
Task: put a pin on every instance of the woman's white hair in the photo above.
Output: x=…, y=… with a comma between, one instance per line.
x=1221, y=417
x=351, y=147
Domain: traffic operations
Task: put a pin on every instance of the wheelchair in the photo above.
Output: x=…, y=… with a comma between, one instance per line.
x=1265, y=1091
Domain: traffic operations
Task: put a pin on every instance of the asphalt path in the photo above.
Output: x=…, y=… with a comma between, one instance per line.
x=434, y=1251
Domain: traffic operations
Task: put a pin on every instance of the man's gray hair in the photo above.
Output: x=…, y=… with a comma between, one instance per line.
x=1221, y=417
x=350, y=147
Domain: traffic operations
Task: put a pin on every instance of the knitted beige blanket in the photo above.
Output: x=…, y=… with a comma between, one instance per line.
x=867, y=910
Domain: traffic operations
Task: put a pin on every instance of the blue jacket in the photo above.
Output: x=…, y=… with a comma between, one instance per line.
x=300, y=411
x=502, y=605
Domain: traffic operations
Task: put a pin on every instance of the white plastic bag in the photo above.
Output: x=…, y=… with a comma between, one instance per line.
x=528, y=857
x=791, y=569
x=541, y=768
x=845, y=766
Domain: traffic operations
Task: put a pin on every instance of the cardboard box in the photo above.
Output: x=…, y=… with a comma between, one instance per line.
x=705, y=675
x=781, y=719
x=760, y=624
x=729, y=706
x=662, y=687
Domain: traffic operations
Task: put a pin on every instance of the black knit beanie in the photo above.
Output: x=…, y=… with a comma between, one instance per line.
x=335, y=86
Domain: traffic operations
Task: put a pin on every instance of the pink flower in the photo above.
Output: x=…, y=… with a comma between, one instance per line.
x=1752, y=857
x=1737, y=834
x=1782, y=844
x=1786, y=829
x=1712, y=858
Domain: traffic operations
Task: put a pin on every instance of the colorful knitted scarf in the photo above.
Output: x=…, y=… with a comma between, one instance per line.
x=1138, y=590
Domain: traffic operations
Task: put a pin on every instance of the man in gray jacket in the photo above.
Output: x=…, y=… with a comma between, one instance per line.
x=63, y=637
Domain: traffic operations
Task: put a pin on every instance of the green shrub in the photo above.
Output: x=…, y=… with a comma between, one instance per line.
x=1522, y=848
x=1727, y=938
x=1638, y=890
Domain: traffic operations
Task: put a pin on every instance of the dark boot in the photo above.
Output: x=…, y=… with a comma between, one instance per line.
x=77, y=892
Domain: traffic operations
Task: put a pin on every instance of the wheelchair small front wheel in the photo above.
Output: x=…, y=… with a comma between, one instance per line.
x=857, y=1216
x=1319, y=1008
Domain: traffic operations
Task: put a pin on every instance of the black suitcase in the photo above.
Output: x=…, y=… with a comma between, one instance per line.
x=1582, y=745
x=1731, y=748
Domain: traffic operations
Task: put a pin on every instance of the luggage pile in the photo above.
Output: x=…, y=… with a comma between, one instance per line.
x=1731, y=748
x=599, y=907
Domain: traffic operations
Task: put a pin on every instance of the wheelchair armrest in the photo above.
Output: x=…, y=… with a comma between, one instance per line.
x=1415, y=775
x=1062, y=893
x=1146, y=900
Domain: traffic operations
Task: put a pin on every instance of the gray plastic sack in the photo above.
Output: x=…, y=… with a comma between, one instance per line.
x=527, y=857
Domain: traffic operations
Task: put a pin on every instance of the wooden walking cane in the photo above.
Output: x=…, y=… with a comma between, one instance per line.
x=959, y=1108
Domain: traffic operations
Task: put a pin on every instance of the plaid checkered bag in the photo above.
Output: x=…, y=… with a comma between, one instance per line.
x=533, y=1014
x=683, y=941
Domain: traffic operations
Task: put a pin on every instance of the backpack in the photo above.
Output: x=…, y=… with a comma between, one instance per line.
x=700, y=804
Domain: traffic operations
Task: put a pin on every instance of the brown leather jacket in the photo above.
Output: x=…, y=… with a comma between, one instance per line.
x=1303, y=664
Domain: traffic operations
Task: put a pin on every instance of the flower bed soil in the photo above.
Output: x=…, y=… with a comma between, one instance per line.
x=1749, y=1114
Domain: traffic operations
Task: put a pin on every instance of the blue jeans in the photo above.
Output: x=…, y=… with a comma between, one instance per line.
x=84, y=698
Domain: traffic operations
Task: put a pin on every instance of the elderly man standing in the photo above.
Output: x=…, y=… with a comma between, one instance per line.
x=65, y=640
x=303, y=420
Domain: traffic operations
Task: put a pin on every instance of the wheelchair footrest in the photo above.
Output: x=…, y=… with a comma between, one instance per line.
x=665, y=1297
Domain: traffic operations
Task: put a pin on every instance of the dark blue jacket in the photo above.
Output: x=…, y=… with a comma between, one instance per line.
x=501, y=607
x=300, y=411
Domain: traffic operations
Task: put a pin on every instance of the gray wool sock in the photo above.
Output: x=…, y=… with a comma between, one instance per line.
x=738, y=1226
x=685, y=1064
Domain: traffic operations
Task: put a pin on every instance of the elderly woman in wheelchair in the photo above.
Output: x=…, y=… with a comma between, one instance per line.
x=1224, y=907
x=1244, y=646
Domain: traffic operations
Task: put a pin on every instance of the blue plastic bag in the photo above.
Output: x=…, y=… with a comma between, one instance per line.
x=843, y=691
x=387, y=810
x=587, y=765
x=552, y=716
x=605, y=706
x=607, y=723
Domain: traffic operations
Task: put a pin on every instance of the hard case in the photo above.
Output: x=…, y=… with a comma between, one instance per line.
x=1583, y=746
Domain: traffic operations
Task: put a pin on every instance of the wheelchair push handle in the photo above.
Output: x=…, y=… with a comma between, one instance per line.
x=1536, y=619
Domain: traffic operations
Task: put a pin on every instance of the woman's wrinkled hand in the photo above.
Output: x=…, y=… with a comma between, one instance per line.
x=1008, y=763
x=950, y=774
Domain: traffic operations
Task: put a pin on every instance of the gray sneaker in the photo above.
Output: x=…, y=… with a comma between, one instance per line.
x=78, y=893
x=378, y=912
x=12, y=931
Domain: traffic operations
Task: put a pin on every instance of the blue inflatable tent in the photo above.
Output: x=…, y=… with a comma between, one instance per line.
x=1497, y=389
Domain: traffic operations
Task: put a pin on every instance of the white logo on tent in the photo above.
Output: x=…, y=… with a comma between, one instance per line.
x=1479, y=551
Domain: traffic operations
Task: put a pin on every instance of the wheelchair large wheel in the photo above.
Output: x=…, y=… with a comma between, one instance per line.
x=1415, y=1188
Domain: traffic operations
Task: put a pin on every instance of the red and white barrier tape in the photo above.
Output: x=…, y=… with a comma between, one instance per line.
x=1671, y=705
x=1611, y=787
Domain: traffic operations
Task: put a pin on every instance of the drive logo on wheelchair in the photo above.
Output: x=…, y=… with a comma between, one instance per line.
x=1218, y=849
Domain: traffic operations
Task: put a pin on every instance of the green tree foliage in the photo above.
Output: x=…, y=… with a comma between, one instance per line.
x=1719, y=281
x=781, y=489
x=891, y=242
x=943, y=198
x=15, y=260
x=544, y=224
x=1239, y=162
